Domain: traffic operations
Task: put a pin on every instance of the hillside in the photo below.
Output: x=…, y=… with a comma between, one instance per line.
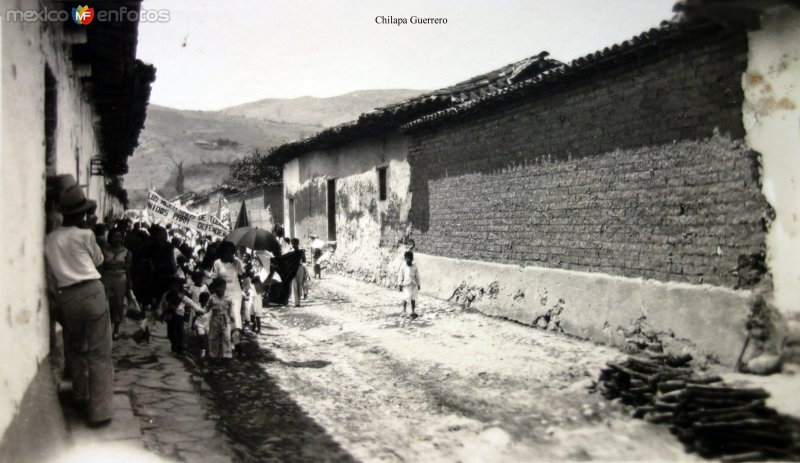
x=206, y=142
x=320, y=112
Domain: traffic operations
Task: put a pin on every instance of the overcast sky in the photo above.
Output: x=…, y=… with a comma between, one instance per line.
x=213, y=54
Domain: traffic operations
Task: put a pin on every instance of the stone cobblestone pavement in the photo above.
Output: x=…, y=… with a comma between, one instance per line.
x=176, y=421
x=185, y=409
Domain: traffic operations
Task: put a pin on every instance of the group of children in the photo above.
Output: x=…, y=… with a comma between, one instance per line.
x=208, y=313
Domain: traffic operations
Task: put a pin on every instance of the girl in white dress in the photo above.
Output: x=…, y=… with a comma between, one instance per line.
x=230, y=268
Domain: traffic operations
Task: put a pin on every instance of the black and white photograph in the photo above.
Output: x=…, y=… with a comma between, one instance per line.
x=436, y=231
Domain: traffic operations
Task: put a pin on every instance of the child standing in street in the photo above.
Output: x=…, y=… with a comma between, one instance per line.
x=219, y=329
x=247, y=302
x=201, y=324
x=408, y=283
x=298, y=284
x=195, y=290
x=258, y=291
x=173, y=306
x=317, y=266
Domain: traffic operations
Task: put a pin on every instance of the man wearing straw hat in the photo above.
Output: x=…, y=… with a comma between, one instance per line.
x=73, y=256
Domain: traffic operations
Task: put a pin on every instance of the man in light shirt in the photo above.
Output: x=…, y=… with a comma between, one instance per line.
x=73, y=256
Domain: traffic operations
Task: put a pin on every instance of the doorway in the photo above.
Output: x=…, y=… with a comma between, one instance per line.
x=332, y=209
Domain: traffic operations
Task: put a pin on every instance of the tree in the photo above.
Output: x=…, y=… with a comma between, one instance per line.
x=179, y=179
x=114, y=187
x=251, y=171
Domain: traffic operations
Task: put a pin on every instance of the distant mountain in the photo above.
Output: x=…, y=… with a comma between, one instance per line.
x=206, y=142
x=321, y=112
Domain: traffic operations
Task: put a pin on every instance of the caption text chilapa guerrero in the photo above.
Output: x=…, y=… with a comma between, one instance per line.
x=412, y=20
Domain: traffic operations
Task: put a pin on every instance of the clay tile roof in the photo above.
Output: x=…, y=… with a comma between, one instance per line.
x=392, y=116
x=480, y=85
x=119, y=84
x=650, y=41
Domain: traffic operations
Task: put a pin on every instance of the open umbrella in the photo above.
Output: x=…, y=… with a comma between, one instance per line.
x=255, y=238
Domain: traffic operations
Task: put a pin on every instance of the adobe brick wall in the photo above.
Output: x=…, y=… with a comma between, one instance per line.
x=620, y=174
x=273, y=196
x=257, y=201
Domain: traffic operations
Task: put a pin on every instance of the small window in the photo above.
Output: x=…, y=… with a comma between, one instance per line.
x=382, y=183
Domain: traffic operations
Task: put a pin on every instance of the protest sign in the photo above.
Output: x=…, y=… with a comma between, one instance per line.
x=163, y=210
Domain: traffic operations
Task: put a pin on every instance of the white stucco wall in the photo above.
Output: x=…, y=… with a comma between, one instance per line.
x=772, y=120
x=24, y=320
x=359, y=213
x=705, y=320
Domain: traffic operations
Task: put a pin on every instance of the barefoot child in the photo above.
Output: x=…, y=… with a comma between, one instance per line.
x=259, y=293
x=201, y=324
x=219, y=329
x=317, y=266
x=408, y=283
x=247, y=302
x=195, y=290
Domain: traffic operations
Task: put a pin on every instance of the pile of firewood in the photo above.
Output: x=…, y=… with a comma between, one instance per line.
x=708, y=417
x=637, y=380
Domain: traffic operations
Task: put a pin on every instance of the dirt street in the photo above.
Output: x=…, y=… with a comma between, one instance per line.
x=453, y=385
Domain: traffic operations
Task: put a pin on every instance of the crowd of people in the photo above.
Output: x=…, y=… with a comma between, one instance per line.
x=201, y=285
x=198, y=285
x=205, y=286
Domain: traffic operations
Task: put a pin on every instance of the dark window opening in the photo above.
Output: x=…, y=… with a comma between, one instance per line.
x=291, y=218
x=332, y=209
x=50, y=120
x=382, y=183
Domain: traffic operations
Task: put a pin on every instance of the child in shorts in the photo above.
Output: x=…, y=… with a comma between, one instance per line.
x=175, y=306
x=408, y=282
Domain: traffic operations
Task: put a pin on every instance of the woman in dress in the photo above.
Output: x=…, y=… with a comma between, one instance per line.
x=116, y=277
x=163, y=267
x=137, y=241
x=229, y=268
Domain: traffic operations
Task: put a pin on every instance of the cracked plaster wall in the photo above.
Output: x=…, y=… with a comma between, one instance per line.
x=25, y=329
x=370, y=233
x=771, y=115
x=604, y=308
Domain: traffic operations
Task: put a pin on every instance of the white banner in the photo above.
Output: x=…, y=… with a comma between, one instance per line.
x=163, y=210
